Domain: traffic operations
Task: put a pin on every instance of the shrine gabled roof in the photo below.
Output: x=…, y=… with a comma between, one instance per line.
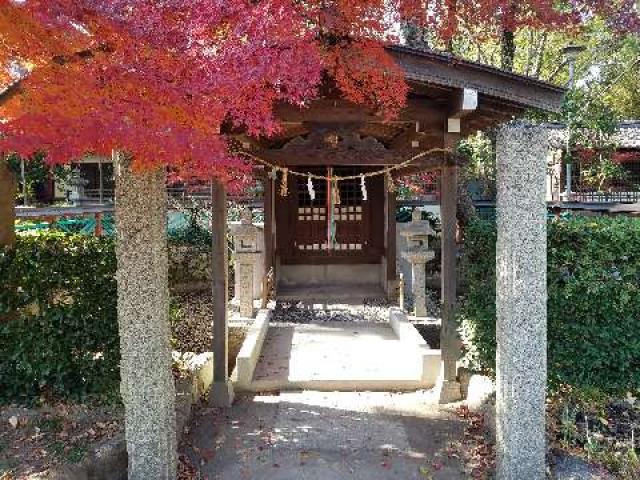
x=431, y=67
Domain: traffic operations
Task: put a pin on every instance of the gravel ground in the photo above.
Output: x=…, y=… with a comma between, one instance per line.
x=433, y=303
x=375, y=310
x=191, y=322
x=372, y=310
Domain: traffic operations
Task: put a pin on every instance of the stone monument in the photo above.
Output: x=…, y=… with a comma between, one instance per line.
x=418, y=254
x=245, y=241
x=521, y=302
x=147, y=385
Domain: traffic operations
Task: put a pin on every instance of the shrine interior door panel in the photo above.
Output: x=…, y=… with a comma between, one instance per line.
x=337, y=225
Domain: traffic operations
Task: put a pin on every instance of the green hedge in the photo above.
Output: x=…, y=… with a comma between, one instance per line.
x=58, y=323
x=593, y=301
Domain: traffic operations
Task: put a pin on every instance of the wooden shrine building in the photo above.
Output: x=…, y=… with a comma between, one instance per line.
x=334, y=237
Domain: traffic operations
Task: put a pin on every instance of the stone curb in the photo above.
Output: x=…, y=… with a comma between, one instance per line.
x=404, y=330
x=408, y=333
x=249, y=354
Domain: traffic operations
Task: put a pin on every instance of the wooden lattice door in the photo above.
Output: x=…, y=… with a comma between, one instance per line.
x=337, y=226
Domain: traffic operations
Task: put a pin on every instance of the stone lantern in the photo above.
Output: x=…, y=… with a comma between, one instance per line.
x=245, y=241
x=417, y=253
x=77, y=184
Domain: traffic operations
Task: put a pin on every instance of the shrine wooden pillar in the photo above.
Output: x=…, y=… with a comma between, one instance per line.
x=390, y=242
x=269, y=225
x=449, y=345
x=221, y=394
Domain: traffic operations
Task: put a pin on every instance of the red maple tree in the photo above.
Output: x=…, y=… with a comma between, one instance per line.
x=164, y=80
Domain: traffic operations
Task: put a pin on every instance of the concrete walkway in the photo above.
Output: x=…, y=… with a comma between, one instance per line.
x=327, y=436
x=336, y=356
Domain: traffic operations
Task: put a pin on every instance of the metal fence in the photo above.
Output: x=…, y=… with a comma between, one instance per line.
x=620, y=190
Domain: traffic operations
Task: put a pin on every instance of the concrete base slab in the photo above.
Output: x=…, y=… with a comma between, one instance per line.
x=338, y=356
x=221, y=394
x=331, y=293
x=310, y=276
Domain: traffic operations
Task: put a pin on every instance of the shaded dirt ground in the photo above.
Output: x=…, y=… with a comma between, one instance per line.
x=327, y=436
x=34, y=440
x=192, y=326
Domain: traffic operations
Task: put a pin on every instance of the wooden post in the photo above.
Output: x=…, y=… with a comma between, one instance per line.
x=23, y=176
x=7, y=204
x=98, y=228
x=221, y=394
x=269, y=230
x=450, y=388
x=390, y=241
x=101, y=187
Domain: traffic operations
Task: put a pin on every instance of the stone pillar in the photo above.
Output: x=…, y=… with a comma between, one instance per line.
x=245, y=240
x=147, y=385
x=221, y=394
x=449, y=387
x=419, y=280
x=245, y=295
x=7, y=204
x=521, y=302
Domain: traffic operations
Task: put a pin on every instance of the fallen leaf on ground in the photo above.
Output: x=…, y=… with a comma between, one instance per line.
x=13, y=421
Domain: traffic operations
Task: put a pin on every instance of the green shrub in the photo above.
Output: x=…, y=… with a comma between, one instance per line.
x=593, y=301
x=58, y=323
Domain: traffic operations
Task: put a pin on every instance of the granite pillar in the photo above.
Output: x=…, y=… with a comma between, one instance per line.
x=147, y=385
x=419, y=280
x=521, y=302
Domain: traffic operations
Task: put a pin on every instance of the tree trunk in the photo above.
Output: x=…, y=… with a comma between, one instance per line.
x=530, y=52
x=7, y=205
x=540, y=55
x=508, y=45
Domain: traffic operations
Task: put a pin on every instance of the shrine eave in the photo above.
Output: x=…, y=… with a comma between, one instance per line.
x=428, y=67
